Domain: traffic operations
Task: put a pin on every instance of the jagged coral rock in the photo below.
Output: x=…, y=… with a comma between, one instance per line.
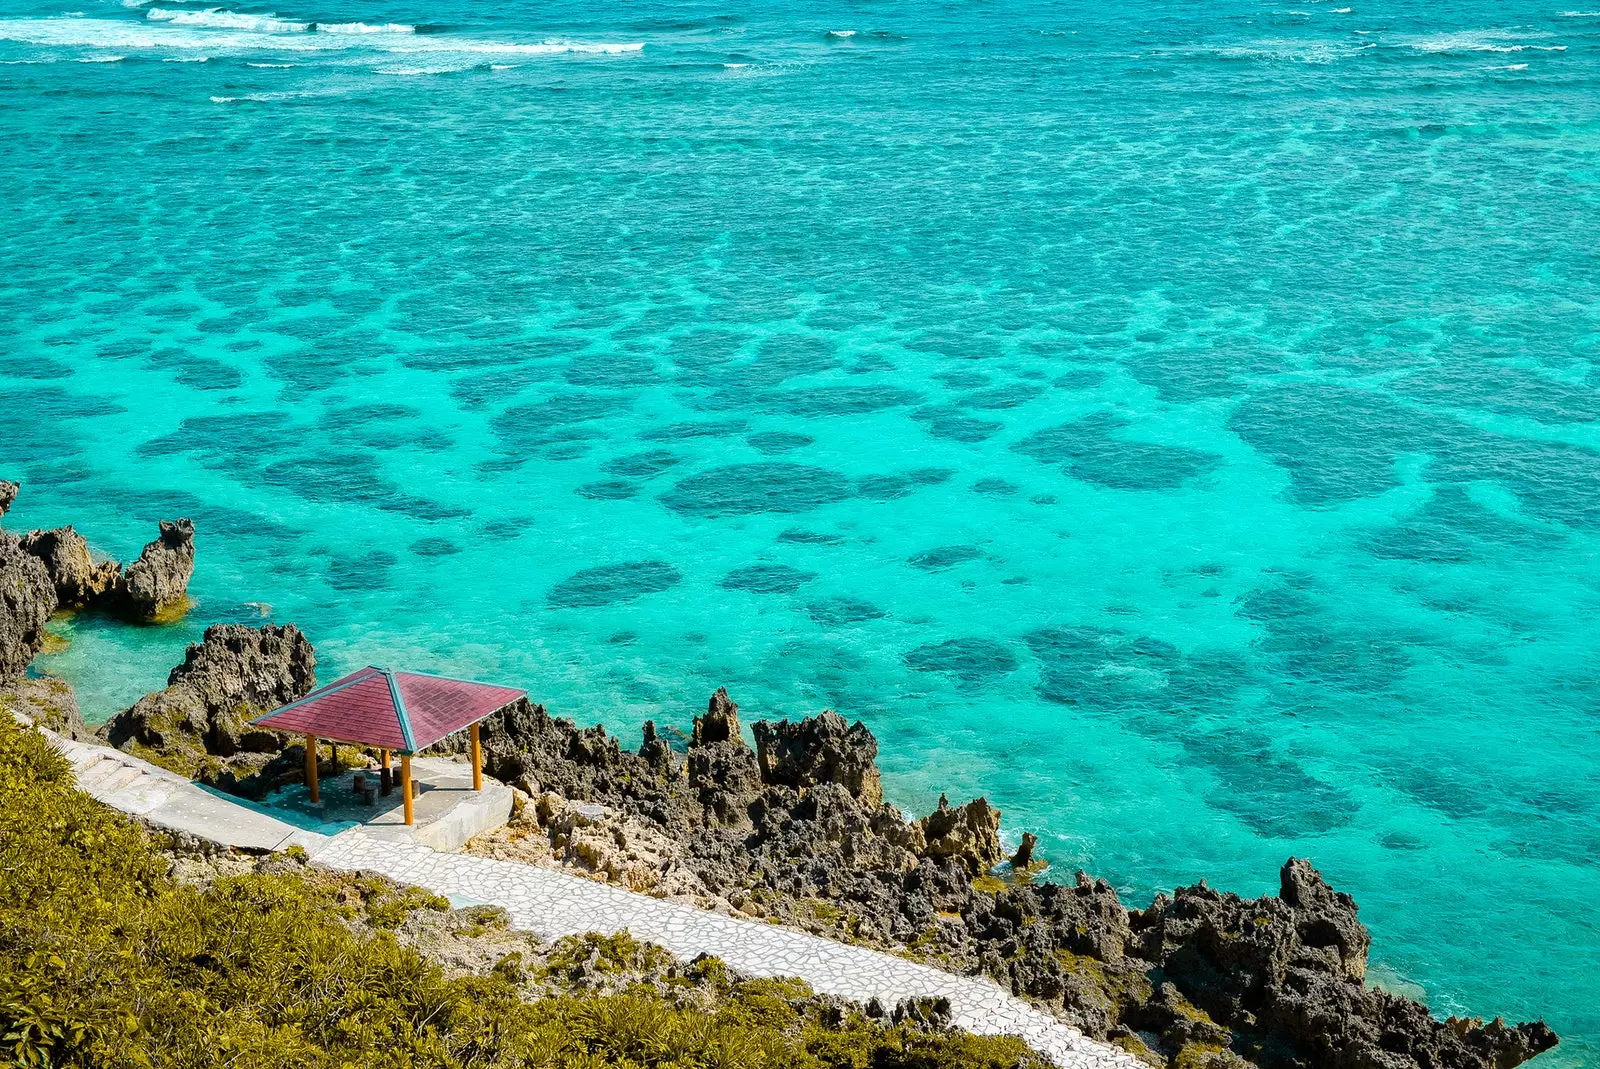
x=821, y=749
x=158, y=582
x=199, y=725
x=47, y=701
x=720, y=722
x=1286, y=973
x=27, y=598
x=1197, y=980
x=969, y=833
x=8, y=495
x=722, y=770
x=79, y=579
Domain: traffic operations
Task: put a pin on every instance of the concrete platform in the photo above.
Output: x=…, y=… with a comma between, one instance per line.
x=447, y=810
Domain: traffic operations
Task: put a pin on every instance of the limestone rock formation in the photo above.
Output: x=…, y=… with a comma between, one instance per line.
x=599, y=842
x=1023, y=858
x=199, y=725
x=158, y=582
x=657, y=753
x=78, y=578
x=527, y=748
x=722, y=770
x=800, y=834
x=821, y=749
x=8, y=495
x=27, y=598
x=720, y=722
x=1286, y=973
x=969, y=833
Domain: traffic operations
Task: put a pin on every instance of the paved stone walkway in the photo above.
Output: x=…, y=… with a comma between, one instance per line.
x=552, y=904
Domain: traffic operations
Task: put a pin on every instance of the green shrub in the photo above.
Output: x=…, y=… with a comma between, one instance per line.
x=106, y=962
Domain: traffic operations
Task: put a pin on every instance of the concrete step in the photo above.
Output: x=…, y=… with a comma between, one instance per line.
x=92, y=777
x=85, y=759
x=127, y=777
x=101, y=777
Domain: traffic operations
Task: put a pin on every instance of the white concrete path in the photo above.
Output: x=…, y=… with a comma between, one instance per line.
x=166, y=799
x=552, y=904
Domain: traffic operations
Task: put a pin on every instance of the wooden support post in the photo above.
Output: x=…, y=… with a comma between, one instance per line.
x=405, y=784
x=311, y=768
x=385, y=757
x=477, y=761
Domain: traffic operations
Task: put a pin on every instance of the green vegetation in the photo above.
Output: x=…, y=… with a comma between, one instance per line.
x=107, y=961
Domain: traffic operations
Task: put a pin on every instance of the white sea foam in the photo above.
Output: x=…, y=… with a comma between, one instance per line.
x=101, y=59
x=271, y=66
x=107, y=33
x=227, y=20
x=363, y=27
x=413, y=71
x=503, y=66
x=546, y=48
x=187, y=59
x=1579, y=14
x=1478, y=41
x=222, y=36
x=841, y=33
x=1512, y=67
x=1341, y=11
x=257, y=98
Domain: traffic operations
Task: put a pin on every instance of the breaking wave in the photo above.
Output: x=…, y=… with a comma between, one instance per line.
x=1477, y=41
x=363, y=27
x=217, y=30
x=227, y=20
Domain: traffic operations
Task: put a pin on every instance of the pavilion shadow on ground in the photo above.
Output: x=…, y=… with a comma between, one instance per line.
x=447, y=811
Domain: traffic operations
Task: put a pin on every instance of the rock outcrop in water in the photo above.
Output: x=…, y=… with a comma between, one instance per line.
x=79, y=579
x=798, y=832
x=158, y=582
x=27, y=598
x=199, y=725
x=154, y=586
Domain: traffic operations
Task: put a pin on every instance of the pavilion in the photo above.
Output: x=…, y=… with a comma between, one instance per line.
x=392, y=712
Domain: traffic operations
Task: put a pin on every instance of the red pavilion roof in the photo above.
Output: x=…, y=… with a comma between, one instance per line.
x=400, y=711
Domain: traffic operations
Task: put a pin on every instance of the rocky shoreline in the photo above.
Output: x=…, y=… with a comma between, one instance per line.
x=796, y=830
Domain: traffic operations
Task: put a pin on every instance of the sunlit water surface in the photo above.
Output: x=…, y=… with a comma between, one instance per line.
x=1176, y=421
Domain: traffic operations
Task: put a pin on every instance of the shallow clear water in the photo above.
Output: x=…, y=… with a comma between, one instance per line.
x=1178, y=424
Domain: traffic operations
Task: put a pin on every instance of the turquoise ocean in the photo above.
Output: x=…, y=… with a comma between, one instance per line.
x=1179, y=422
